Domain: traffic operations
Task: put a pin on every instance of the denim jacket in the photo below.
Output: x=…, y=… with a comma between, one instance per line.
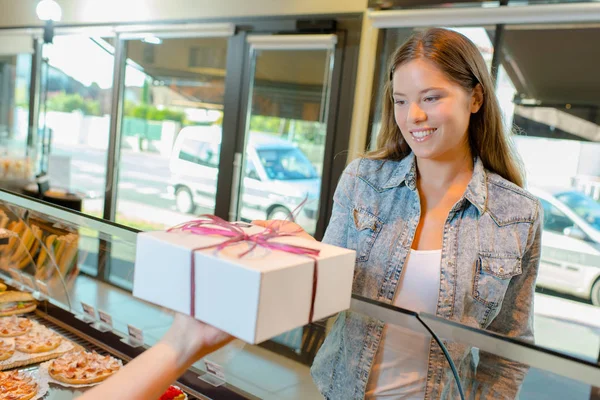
x=490, y=258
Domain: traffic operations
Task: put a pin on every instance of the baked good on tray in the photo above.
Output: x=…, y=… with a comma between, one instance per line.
x=14, y=326
x=82, y=368
x=13, y=303
x=38, y=340
x=16, y=385
x=7, y=348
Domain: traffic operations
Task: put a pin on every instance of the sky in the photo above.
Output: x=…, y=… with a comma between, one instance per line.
x=83, y=60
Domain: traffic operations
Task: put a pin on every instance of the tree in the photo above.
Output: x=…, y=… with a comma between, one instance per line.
x=64, y=102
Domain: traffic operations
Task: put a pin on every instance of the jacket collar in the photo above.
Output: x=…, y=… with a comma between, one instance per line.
x=476, y=193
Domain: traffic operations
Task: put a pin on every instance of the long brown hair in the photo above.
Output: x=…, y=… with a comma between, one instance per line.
x=462, y=62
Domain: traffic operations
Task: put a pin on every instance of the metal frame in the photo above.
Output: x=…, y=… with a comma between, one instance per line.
x=73, y=217
x=341, y=108
x=34, y=94
x=543, y=13
x=139, y=31
x=292, y=40
x=327, y=181
x=233, y=101
x=114, y=141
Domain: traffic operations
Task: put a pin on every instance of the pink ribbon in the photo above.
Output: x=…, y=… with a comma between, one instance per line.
x=213, y=225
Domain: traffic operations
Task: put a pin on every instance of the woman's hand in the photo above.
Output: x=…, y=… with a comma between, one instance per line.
x=285, y=227
x=193, y=339
x=148, y=375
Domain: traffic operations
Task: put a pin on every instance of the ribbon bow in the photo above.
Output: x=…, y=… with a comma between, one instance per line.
x=213, y=225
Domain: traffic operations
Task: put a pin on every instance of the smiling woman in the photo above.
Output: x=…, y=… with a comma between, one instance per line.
x=444, y=186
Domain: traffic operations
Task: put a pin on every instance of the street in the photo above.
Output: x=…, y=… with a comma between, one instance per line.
x=143, y=177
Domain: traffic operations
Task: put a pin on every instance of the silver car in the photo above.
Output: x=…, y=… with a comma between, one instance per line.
x=570, y=261
x=278, y=176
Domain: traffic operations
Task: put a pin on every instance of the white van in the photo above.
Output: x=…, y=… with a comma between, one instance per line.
x=278, y=176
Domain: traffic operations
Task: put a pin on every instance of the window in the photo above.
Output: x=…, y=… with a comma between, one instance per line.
x=584, y=206
x=251, y=171
x=75, y=112
x=286, y=164
x=190, y=150
x=209, y=155
x=201, y=153
x=554, y=219
x=172, y=88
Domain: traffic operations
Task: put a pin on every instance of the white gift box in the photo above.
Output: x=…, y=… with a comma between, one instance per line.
x=254, y=298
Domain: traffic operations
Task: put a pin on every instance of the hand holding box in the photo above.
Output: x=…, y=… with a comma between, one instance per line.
x=253, y=283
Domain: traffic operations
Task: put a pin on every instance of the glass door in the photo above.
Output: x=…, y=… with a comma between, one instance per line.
x=285, y=128
x=74, y=118
x=171, y=125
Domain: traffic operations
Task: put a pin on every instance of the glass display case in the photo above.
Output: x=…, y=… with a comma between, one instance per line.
x=80, y=270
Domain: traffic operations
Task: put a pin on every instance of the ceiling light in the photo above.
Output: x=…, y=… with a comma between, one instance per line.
x=152, y=40
x=49, y=10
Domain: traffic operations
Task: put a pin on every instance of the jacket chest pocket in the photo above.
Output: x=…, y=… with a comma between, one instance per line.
x=492, y=277
x=367, y=227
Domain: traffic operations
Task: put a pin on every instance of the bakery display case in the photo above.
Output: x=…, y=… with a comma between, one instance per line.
x=78, y=270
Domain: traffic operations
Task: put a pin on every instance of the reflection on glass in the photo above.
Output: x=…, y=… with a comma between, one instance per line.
x=120, y=266
x=16, y=161
x=76, y=80
x=171, y=130
x=285, y=137
x=505, y=371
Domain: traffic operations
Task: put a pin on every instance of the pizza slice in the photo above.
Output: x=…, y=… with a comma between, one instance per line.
x=14, y=326
x=17, y=386
x=7, y=349
x=39, y=340
x=83, y=368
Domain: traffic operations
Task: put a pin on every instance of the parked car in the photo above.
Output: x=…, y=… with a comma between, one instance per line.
x=277, y=178
x=570, y=261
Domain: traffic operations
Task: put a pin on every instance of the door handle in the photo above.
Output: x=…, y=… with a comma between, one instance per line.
x=235, y=187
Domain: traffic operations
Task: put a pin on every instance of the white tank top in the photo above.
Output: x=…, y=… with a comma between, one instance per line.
x=400, y=367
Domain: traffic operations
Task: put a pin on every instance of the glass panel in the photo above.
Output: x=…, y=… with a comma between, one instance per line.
x=171, y=130
x=75, y=118
x=17, y=161
x=394, y=38
x=506, y=370
x=285, y=135
x=553, y=102
x=55, y=247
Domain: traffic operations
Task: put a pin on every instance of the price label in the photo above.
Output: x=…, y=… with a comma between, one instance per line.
x=135, y=334
x=43, y=288
x=88, y=310
x=215, y=369
x=105, y=318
